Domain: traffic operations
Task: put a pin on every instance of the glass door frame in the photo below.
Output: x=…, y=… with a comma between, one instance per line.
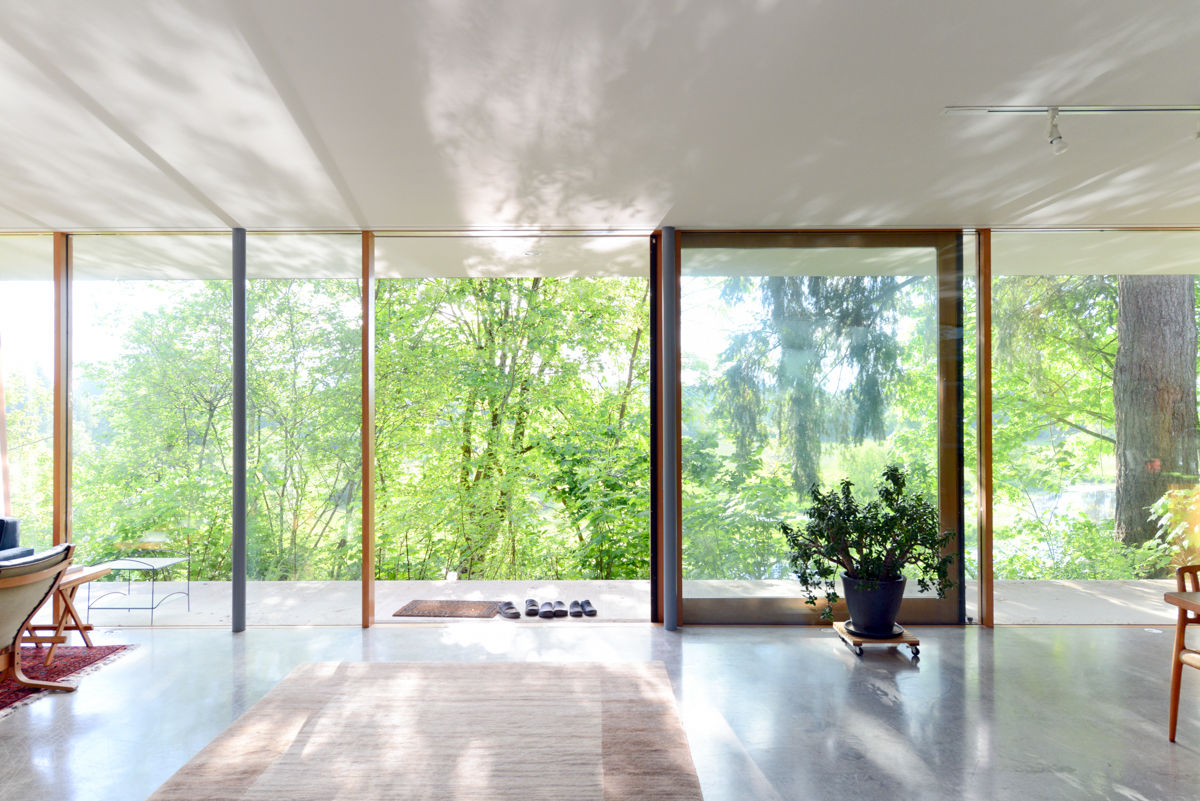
x=948, y=245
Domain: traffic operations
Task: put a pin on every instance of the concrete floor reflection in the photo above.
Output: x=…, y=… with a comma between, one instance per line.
x=770, y=712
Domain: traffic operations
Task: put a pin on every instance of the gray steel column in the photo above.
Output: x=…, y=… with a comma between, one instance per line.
x=239, y=429
x=670, y=434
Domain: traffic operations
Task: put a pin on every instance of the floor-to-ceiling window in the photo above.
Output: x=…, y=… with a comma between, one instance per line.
x=512, y=403
x=1094, y=422
x=27, y=385
x=806, y=359
x=151, y=422
x=303, y=422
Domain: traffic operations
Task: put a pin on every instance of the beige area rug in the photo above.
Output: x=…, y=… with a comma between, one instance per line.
x=495, y=731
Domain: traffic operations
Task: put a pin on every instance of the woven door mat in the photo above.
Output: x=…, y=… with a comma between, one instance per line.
x=448, y=609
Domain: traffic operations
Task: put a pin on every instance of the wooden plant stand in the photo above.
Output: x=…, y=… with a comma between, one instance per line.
x=855, y=643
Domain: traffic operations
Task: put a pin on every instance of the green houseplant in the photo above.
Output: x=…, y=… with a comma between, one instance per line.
x=871, y=546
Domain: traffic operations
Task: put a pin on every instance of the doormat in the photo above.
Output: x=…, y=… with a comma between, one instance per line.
x=383, y=731
x=69, y=660
x=448, y=609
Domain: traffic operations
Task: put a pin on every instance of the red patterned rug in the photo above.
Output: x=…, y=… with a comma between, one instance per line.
x=68, y=661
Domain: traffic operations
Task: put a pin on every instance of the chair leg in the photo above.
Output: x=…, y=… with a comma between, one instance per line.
x=1176, y=674
x=19, y=677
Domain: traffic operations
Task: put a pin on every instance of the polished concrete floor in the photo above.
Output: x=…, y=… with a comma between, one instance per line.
x=770, y=712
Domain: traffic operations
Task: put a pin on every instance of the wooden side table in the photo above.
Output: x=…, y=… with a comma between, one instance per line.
x=68, y=618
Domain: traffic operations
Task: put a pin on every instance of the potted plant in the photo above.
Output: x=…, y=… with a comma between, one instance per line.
x=870, y=545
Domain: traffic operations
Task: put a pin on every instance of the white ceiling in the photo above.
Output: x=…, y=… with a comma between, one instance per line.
x=613, y=115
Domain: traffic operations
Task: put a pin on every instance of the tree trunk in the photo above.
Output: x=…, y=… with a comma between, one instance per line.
x=1154, y=395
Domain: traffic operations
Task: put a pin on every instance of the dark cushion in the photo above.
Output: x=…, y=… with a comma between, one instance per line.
x=15, y=553
x=10, y=536
x=48, y=556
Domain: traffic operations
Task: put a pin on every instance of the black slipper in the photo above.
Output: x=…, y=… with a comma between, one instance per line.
x=547, y=610
x=530, y=607
x=588, y=609
x=560, y=609
x=576, y=609
x=509, y=610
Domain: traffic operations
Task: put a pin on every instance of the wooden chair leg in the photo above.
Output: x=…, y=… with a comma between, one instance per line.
x=1176, y=673
x=80, y=626
x=67, y=612
x=14, y=668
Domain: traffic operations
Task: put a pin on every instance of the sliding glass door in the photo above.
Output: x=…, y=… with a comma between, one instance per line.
x=806, y=359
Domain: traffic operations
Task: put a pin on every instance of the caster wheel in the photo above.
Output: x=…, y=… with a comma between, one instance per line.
x=858, y=650
x=916, y=651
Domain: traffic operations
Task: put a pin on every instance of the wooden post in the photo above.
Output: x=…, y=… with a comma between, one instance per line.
x=675, y=366
x=61, y=434
x=950, y=411
x=983, y=373
x=61, y=524
x=368, y=429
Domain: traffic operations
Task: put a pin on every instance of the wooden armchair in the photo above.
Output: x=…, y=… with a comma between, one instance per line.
x=1187, y=579
x=26, y=584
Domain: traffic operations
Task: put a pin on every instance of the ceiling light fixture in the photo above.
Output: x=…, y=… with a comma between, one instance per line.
x=1057, y=143
x=1179, y=109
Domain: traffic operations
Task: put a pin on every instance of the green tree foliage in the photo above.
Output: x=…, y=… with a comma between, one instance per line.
x=1075, y=547
x=1056, y=425
x=28, y=421
x=152, y=431
x=837, y=376
x=826, y=351
x=303, y=411
x=1055, y=347
x=512, y=429
x=834, y=377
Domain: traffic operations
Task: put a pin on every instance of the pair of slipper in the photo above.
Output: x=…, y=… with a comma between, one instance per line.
x=559, y=609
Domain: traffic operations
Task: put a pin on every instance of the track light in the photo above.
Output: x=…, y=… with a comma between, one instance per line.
x=1057, y=143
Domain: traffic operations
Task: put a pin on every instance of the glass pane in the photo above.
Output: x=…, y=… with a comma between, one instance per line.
x=151, y=426
x=304, y=417
x=513, y=420
x=799, y=366
x=27, y=385
x=1094, y=387
x=970, y=430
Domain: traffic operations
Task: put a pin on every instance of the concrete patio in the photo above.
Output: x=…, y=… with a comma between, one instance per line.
x=327, y=603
